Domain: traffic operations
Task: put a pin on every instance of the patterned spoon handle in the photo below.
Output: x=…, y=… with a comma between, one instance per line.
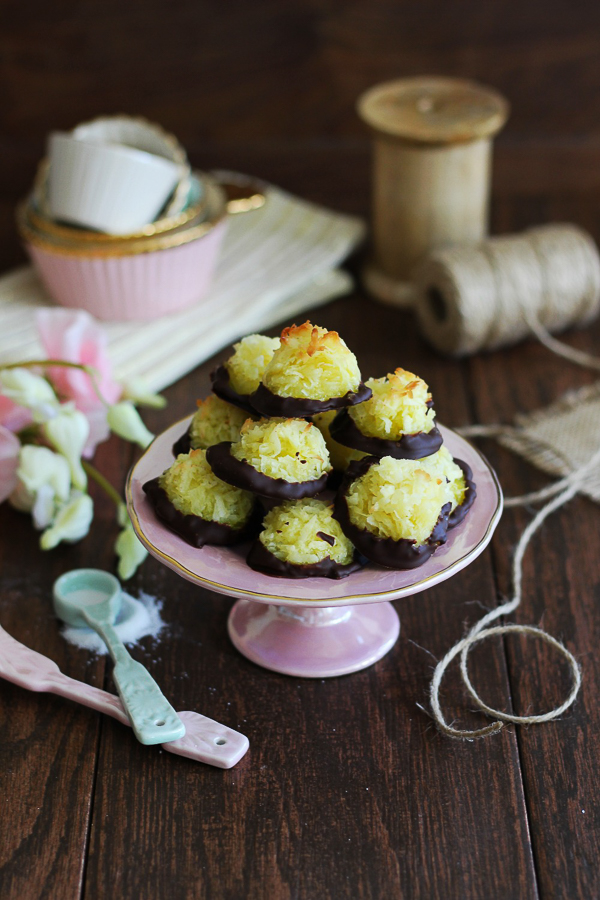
x=205, y=740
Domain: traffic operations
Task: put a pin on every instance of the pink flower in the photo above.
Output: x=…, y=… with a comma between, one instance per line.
x=9, y=461
x=12, y=416
x=74, y=336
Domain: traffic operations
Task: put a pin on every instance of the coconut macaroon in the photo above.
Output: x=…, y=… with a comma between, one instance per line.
x=393, y=510
x=281, y=458
x=339, y=455
x=241, y=374
x=458, y=480
x=198, y=505
x=312, y=371
x=398, y=420
x=301, y=539
x=215, y=420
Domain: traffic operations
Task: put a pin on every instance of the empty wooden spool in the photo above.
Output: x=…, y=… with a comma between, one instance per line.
x=432, y=157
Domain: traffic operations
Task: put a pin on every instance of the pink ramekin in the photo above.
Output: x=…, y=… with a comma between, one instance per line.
x=140, y=280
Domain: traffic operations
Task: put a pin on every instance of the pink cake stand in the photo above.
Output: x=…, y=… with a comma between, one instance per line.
x=313, y=627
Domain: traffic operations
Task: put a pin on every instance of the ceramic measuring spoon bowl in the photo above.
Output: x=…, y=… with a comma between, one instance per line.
x=92, y=598
x=81, y=589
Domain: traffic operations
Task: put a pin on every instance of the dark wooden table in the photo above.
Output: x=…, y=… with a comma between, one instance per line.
x=348, y=790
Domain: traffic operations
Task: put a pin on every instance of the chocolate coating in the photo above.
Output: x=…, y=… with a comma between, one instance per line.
x=183, y=444
x=410, y=446
x=270, y=404
x=221, y=386
x=193, y=529
x=262, y=560
x=402, y=554
x=334, y=479
x=459, y=512
x=242, y=474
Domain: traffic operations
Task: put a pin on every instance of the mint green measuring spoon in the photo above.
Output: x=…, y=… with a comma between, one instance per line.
x=92, y=598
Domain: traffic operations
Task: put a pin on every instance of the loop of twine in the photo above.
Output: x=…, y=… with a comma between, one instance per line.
x=561, y=492
x=481, y=631
x=472, y=298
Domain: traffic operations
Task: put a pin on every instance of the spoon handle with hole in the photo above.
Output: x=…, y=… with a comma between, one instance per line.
x=205, y=740
x=153, y=719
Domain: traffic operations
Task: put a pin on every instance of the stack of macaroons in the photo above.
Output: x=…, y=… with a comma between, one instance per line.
x=289, y=420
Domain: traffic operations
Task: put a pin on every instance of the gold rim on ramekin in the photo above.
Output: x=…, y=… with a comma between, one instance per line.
x=191, y=231
x=46, y=225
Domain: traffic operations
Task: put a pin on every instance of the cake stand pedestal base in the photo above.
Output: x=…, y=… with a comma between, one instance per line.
x=313, y=642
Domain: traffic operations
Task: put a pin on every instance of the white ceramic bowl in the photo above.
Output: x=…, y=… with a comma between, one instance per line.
x=40, y=218
x=109, y=187
x=135, y=131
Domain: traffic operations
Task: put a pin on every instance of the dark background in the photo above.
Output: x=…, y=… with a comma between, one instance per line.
x=270, y=87
x=347, y=790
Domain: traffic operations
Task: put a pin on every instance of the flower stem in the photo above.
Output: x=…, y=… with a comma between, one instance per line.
x=60, y=363
x=104, y=483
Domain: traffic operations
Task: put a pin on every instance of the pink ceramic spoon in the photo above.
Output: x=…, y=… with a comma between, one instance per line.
x=205, y=740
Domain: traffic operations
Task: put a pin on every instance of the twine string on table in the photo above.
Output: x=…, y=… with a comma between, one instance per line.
x=564, y=490
x=481, y=631
x=489, y=296
x=579, y=357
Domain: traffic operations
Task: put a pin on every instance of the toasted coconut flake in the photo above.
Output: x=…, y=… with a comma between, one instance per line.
x=195, y=490
x=398, y=499
x=250, y=359
x=312, y=363
x=398, y=406
x=340, y=456
x=442, y=465
x=215, y=420
x=293, y=533
x=291, y=449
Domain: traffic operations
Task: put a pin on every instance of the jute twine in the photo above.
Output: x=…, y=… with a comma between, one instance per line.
x=563, y=491
x=490, y=296
x=471, y=298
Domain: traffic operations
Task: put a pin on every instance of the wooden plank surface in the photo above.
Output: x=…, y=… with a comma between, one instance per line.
x=348, y=791
x=295, y=818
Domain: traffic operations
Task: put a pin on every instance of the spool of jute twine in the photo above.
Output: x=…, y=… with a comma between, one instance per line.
x=494, y=294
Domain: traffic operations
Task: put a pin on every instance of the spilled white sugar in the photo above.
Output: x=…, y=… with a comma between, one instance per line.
x=137, y=619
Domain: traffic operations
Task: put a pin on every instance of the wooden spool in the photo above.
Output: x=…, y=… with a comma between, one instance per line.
x=431, y=176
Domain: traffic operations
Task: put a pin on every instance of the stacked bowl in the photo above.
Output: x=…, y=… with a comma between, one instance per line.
x=118, y=224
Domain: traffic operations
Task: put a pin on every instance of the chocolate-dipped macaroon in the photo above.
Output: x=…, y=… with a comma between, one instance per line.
x=285, y=459
x=214, y=421
x=301, y=539
x=339, y=455
x=198, y=506
x=398, y=420
x=241, y=374
x=393, y=510
x=312, y=371
x=458, y=478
